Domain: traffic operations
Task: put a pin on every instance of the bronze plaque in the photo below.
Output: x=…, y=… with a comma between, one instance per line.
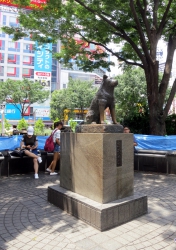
x=119, y=153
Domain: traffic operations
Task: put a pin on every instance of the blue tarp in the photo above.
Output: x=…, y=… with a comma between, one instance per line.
x=155, y=142
x=12, y=142
x=144, y=142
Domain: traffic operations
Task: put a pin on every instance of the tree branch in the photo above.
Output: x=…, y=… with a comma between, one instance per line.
x=143, y=12
x=170, y=99
x=163, y=21
x=113, y=53
x=168, y=67
x=155, y=9
x=141, y=34
x=122, y=33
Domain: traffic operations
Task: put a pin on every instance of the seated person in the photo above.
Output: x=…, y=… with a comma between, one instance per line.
x=29, y=143
x=127, y=130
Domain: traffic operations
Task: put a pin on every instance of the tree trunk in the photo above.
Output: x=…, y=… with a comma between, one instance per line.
x=156, y=112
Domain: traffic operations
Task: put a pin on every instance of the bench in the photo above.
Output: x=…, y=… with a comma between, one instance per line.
x=154, y=154
x=6, y=157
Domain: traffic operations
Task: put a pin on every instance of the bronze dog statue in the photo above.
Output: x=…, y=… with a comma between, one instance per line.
x=104, y=98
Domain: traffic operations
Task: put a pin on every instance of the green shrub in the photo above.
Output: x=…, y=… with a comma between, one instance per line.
x=39, y=127
x=22, y=124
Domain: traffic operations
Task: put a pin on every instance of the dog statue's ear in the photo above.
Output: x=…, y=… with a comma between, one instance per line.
x=105, y=77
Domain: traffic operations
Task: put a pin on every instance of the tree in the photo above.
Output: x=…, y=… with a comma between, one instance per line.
x=137, y=26
x=130, y=94
x=22, y=93
x=78, y=95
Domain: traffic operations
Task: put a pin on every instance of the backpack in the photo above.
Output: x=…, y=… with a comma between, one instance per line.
x=49, y=144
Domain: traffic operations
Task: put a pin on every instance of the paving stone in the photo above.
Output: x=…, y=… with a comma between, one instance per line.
x=28, y=221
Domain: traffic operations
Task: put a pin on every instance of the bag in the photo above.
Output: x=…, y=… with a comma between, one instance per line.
x=17, y=153
x=49, y=144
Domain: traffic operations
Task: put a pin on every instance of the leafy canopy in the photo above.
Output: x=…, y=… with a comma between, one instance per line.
x=78, y=94
x=136, y=25
x=127, y=22
x=130, y=94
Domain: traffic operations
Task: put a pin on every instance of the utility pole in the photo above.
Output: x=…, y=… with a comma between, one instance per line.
x=2, y=109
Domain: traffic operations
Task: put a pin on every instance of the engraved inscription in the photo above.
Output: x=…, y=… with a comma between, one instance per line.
x=118, y=153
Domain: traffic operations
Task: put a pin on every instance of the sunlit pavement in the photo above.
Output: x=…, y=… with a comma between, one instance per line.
x=28, y=221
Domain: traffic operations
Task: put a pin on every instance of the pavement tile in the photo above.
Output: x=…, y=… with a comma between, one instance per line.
x=99, y=238
x=28, y=221
x=98, y=248
x=85, y=244
x=111, y=244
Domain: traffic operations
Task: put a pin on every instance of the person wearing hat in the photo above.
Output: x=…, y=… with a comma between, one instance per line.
x=29, y=143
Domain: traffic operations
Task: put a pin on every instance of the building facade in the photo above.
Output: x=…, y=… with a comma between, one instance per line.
x=18, y=60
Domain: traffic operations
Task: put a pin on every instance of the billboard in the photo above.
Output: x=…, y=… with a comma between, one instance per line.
x=33, y=3
x=13, y=113
x=43, y=65
x=43, y=57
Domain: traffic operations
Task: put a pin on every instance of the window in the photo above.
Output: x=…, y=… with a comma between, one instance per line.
x=12, y=72
x=28, y=73
x=28, y=60
x=2, y=34
x=4, y=20
x=12, y=45
x=12, y=19
x=1, y=71
x=31, y=111
x=13, y=22
x=2, y=45
x=2, y=57
x=28, y=48
x=11, y=58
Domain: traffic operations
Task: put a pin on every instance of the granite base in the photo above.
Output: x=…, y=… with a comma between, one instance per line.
x=100, y=216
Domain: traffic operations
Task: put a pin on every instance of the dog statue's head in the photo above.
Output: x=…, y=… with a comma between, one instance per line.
x=109, y=81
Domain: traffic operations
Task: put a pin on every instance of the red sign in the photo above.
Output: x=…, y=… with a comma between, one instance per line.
x=43, y=74
x=34, y=3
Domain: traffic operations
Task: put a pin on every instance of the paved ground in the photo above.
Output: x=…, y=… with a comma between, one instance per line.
x=28, y=221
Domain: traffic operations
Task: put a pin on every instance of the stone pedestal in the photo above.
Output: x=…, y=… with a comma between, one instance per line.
x=96, y=177
x=100, y=216
x=98, y=166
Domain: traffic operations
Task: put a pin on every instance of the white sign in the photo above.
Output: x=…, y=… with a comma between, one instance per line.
x=42, y=112
x=44, y=78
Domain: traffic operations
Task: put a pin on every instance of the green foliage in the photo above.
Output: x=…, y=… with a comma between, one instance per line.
x=73, y=125
x=7, y=124
x=114, y=22
x=136, y=27
x=23, y=92
x=39, y=127
x=79, y=95
x=171, y=125
x=22, y=124
x=130, y=94
x=138, y=124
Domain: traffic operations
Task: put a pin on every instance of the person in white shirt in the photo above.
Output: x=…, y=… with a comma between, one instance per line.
x=56, y=140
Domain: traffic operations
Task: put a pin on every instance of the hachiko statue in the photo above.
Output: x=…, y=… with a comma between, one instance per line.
x=104, y=98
